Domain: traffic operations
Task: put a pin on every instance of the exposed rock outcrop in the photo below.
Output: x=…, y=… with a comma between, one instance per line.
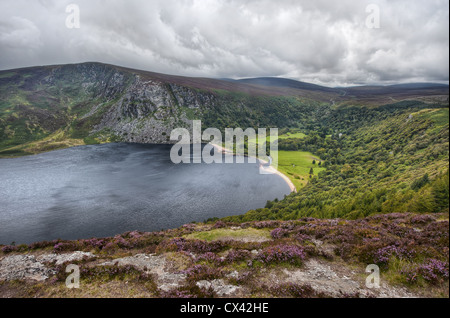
x=38, y=268
x=152, y=264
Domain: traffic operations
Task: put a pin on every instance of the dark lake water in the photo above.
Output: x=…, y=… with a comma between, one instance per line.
x=104, y=190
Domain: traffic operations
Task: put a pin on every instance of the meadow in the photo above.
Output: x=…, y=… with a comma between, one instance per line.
x=296, y=165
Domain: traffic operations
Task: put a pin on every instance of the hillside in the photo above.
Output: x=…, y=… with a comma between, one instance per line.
x=305, y=258
x=374, y=158
x=46, y=108
x=52, y=107
x=387, y=162
x=370, y=163
x=287, y=83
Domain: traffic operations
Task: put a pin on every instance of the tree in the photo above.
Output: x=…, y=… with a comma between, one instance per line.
x=440, y=190
x=269, y=204
x=311, y=172
x=420, y=183
x=314, y=161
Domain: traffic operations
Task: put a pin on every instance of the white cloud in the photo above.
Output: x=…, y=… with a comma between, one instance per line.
x=320, y=41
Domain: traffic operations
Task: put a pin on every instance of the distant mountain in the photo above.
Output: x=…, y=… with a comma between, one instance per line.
x=288, y=83
x=51, y=107
x=397, y=92
x=364, y=93
x=420, y=86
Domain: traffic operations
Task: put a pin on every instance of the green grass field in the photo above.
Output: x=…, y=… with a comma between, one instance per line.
x=298, y=135
x=238, y=234
x=297, y=165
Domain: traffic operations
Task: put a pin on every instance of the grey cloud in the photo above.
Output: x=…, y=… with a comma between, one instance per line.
x=323, y=41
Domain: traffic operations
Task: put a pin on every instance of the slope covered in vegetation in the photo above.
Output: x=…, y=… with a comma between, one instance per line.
x=52, y=107
x=374, y=157
x=302, y=258
x=47, y=108
x=396, y=161
x=379, y=197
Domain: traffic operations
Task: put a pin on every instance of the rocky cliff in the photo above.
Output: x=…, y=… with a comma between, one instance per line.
x=51, y=107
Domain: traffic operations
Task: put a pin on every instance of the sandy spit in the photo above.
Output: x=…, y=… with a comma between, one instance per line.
x=266, y=169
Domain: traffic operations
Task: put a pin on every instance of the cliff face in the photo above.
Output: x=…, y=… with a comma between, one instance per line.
x=51, y=107
x=148, y=111
x=132, y=107
x=94, y=102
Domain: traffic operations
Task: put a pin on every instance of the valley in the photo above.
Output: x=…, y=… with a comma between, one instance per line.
x=370, y=165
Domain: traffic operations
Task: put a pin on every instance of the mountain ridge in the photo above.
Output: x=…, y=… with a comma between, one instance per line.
x=379, y=197
x=49, y=107
x=198, y=82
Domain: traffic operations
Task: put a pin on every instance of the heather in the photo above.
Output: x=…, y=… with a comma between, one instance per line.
x=411, y=250
x=359, y=159
x=127, y=241
x=282, y=254
x=296, y=291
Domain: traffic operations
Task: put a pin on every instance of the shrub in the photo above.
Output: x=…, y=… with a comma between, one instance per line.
x=383, y=255
x=177, y=293
x=292, y=254
x=209, y=257
x=434, y=271
x=65, y=246
x=202, y=272
x=237, y=256
x=219, y=225
x=296, y=291
x=422, y=219
x=190, y=290
x=8, y=249
x=265, y=224
x=302, y=237
x=193, y=246
x=43, y=244
x=279, y=233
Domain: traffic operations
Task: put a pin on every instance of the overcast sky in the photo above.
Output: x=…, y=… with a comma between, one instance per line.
x=323, y=42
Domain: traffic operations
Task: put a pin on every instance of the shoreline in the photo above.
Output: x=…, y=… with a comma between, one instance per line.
x=270, y=169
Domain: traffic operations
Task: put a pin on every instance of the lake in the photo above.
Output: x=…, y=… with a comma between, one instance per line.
x=109, y=189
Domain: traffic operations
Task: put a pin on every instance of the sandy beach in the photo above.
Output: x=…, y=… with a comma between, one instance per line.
x=267, y=169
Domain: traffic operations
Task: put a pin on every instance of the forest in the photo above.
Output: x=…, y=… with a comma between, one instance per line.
x=393, y=158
